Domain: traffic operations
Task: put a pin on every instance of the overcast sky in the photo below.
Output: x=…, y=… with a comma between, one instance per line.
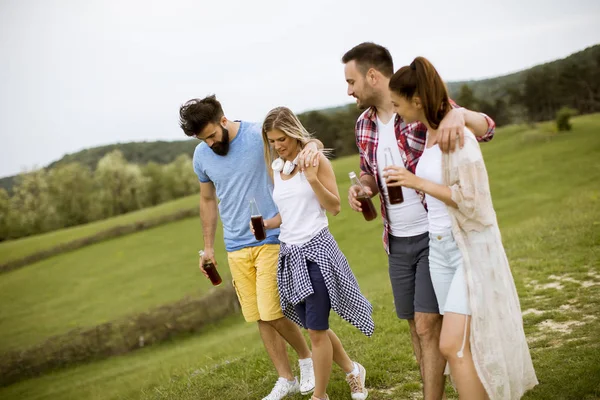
x=77, y=74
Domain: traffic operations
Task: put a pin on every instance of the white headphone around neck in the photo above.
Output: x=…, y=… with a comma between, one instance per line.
x=287, y=167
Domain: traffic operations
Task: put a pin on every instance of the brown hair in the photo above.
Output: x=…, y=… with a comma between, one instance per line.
x=420, y=78
x=195, y=114
x=370, y=55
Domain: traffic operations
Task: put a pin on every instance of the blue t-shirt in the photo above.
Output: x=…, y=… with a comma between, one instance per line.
x=238, y=177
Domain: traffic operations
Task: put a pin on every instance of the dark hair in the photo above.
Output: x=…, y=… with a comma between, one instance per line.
x=422, y=79
x=195, y=114
x=370, y=55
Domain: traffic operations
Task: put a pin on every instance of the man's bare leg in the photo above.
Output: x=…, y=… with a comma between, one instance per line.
x=416, y=344
x=428, y=327
x=275, y=346
x=417, y=348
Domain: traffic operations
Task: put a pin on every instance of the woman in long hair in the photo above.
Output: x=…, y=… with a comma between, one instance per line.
x=313, y=275
x=482, y=333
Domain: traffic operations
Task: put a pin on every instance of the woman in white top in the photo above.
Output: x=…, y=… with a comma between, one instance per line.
x=313, y=275
x=482, y=333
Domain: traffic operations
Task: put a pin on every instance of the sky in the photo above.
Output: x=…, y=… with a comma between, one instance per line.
x=78, y=74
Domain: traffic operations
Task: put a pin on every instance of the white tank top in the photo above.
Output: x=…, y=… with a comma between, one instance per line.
x=302, y=216
x=430, y=168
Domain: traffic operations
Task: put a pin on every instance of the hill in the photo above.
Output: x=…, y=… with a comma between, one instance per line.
x=161, y=152
x=494, y=88
x=536, y=94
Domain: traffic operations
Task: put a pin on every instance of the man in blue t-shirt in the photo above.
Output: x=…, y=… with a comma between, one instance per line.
x=231, y=169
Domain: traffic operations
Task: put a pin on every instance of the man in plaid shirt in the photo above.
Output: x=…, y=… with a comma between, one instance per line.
x=368, y=69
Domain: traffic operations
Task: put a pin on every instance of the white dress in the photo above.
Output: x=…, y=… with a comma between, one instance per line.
x=498, y=343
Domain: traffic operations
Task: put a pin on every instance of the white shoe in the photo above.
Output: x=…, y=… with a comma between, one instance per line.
x=283, y=388
x=357, y=383
x=307, y=376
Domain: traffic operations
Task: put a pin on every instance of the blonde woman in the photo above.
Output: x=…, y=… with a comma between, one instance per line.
x=313, y=275
x=482, y=332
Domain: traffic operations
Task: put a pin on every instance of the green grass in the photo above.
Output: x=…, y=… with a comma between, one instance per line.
x=101, y=282
x=16, y=249
x=547, y=195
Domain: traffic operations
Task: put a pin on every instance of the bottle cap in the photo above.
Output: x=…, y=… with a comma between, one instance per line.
x=351, y=174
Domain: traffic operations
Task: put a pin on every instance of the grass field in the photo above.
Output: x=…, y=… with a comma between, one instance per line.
x=101, y=282
x=15, y=249
x=546, y=189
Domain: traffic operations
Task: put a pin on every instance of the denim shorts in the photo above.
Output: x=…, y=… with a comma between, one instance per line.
x=447, y=274
x=314, y=310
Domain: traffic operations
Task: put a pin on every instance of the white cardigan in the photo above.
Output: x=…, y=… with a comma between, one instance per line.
x=498, y=343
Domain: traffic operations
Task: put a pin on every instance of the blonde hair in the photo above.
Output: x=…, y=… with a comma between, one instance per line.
x=283, y=119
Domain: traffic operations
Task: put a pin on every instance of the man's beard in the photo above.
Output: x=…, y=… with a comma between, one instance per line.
x=364, y=103
x=368, y=99
x=222, y=148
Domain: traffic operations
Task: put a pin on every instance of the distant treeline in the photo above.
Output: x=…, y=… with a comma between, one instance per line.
x=72, y=193
x=537, y=93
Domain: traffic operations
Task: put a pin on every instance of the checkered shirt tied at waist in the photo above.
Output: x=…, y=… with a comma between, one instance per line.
x=294, y=282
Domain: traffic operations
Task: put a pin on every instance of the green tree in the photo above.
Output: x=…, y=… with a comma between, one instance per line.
x=5, y=213
x=563, y=117
x=121, y=187
x=320, y=126
x=541, y=94
x=180, y=178
x=32, y=205
x=466, y=98
x=156, y=187
x=71, y=187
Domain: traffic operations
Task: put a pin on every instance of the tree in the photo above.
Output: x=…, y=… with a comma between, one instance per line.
x=5, y=214
x=319, y=125
x=157, y=190
x=31, y=203
x=120, y=187
x=180, y=178
x=71, y=186
x=563, y=117
x=466, y=98
x=496, y=109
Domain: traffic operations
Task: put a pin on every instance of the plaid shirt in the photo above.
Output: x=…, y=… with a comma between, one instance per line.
x=293, y=281
x=411, y=143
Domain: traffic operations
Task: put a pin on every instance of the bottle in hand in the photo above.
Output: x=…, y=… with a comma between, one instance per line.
x=394, y=192
x=211, y=271
x=368, y=209
x=257, y=222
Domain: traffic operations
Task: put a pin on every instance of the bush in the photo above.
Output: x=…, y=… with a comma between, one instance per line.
x=188, y=315
x=563, y=117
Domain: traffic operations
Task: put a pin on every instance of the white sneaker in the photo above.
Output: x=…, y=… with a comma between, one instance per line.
x=307, y=376
x=282, y=388
x=357, y=383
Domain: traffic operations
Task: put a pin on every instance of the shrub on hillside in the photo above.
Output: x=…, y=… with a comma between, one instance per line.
x=563, y=117
x=188, y=315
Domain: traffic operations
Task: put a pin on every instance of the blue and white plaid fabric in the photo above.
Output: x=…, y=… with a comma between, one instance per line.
x=294, y=282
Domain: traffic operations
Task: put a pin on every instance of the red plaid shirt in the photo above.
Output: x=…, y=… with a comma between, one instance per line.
x=411, y=143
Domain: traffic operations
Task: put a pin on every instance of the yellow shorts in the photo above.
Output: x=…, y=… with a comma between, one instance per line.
x=254, y=273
